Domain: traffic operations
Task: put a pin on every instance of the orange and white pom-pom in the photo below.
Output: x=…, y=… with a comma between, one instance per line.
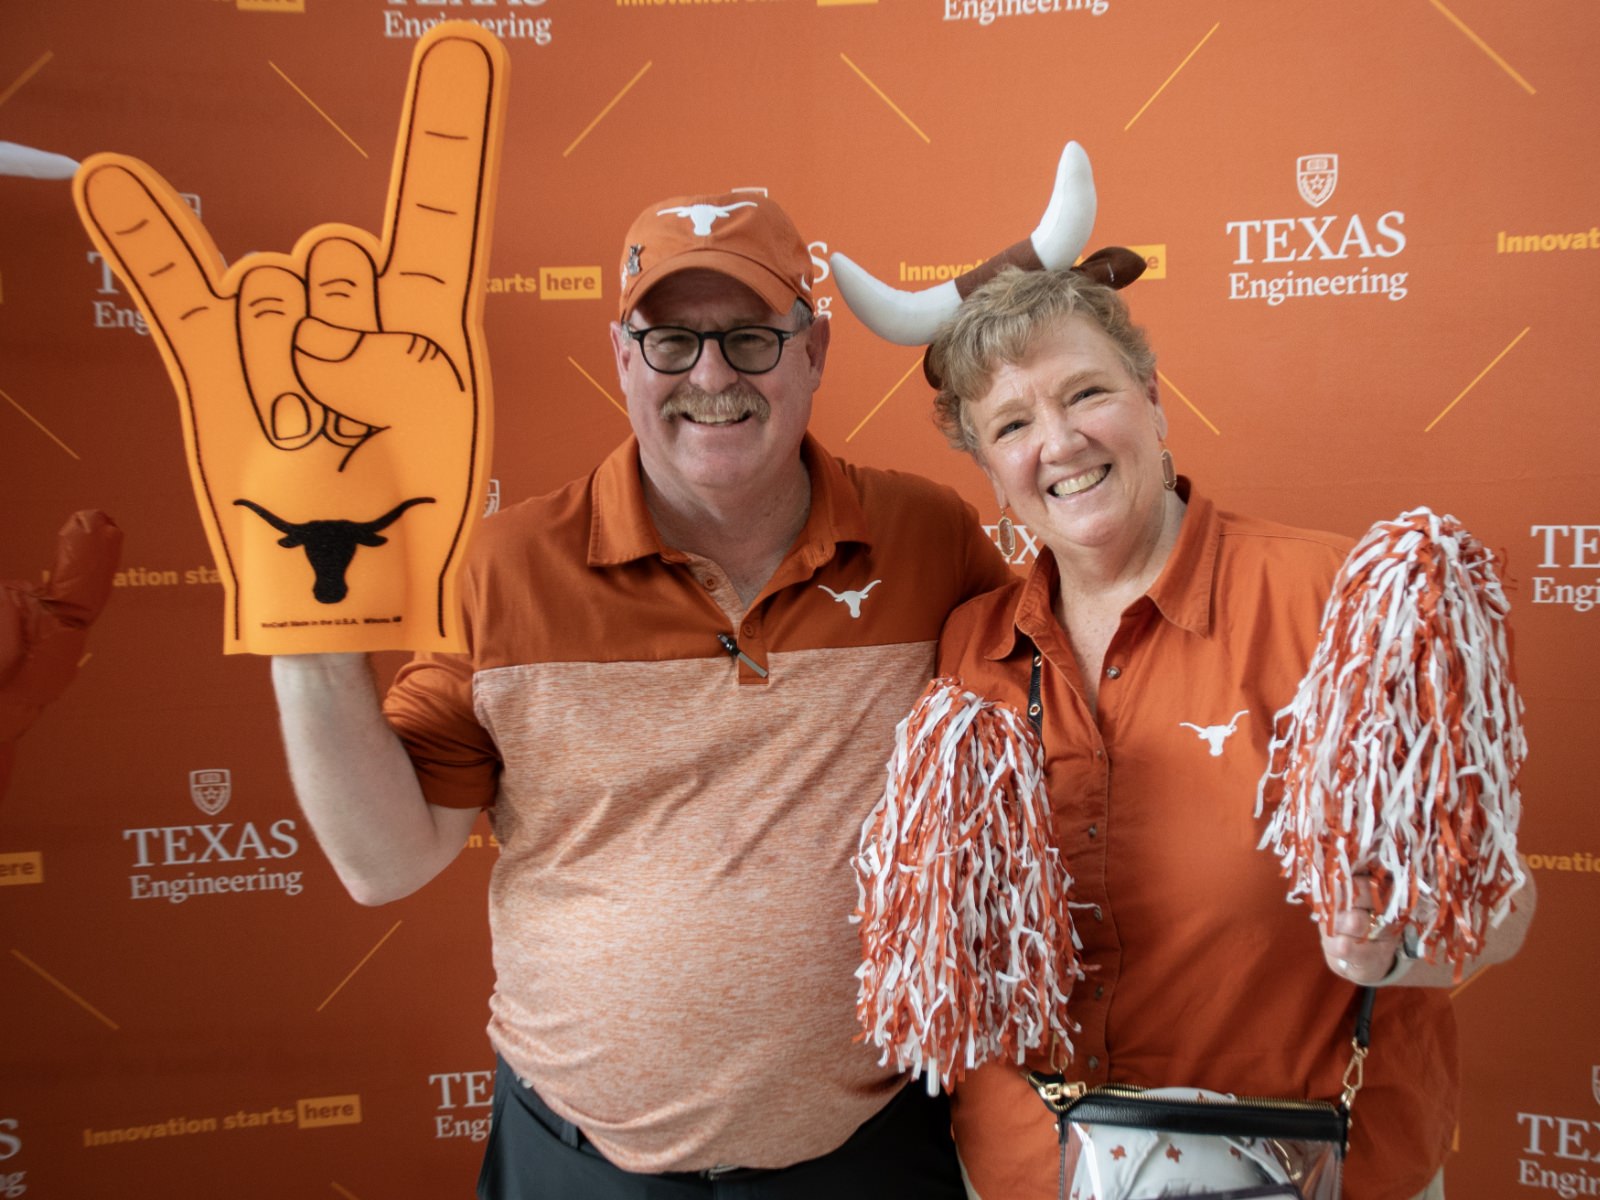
x=1399, y=755
x=967, y=943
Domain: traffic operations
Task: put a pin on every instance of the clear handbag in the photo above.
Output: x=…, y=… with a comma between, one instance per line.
x=1120, y=1142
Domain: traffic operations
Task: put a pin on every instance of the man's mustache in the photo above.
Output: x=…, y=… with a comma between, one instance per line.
x=731, y=403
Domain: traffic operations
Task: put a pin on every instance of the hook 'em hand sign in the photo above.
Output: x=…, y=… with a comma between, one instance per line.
x=335, y=400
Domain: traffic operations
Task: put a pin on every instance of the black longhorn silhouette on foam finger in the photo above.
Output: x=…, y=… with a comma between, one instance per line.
x=331, y=545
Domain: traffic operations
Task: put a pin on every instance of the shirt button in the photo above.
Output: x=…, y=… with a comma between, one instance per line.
x=1098, y=914
x=748, y=630
x=1099, y=754
x=1113, y=672
x=1100, y=993
x=1094, y=1062
x=708, y=582
x=1094, y=830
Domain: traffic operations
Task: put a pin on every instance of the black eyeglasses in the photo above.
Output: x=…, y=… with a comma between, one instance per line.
x=748, y=349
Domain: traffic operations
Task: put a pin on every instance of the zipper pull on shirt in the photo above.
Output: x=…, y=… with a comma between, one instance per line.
x=732, y=647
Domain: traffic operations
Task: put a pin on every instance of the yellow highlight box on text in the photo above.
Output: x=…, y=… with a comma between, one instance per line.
x=1155, y=260
x=319, y=1111
x=278, y=6
x=23, y=866
x=569, y=283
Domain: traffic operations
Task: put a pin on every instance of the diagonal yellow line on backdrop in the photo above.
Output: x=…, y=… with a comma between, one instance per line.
x=63, y=989
x=1188, y=403
x=1468, y=982
x=359, y=965
x=1475, y=382
x=1484, y=46
x=885, y=98
x=597, y=386
x=317, y=109
x=343, y=1191
x=626, y=88
x=40, y=424
x=16, y=84
x=1173, y=76
x=886, y=396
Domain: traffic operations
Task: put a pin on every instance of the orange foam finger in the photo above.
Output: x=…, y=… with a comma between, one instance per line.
x=339, y=467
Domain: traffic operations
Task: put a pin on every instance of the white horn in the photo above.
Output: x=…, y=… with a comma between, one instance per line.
x=1063, y=231
x=912, y=318
x=904, y=318
x=34, y=164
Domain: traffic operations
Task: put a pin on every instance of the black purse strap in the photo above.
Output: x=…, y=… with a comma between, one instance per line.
x=1035, y=706
x=1355, y=1071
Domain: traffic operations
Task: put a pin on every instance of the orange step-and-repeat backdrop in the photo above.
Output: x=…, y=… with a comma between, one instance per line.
x=1372, y=235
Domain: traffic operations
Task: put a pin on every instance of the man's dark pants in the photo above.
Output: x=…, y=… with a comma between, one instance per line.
x=903, y=1153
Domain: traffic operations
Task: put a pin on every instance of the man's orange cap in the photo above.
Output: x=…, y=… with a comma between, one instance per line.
x=741, y=234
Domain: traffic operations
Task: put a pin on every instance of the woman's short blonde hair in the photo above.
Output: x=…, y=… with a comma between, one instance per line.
x=1000, y=322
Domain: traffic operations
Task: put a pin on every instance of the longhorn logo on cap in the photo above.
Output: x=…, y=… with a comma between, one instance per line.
x=703, y=215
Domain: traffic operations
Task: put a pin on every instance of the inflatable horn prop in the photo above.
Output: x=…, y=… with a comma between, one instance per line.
x=913, y=318
x=29, y=163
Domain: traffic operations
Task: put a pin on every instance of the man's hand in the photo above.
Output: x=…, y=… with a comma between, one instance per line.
x=335, y=400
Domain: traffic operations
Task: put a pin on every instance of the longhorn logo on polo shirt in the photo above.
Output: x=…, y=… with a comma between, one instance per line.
x=704, y=215
x=851, y=599
x=1215, y=735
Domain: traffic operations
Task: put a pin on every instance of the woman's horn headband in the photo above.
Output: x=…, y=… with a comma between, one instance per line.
x=913, y=318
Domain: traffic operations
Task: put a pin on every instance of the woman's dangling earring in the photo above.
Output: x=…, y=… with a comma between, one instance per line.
x=1005, y=536
x=1169, y=473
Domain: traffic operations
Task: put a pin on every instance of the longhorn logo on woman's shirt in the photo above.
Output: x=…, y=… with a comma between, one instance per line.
x=1215, y=735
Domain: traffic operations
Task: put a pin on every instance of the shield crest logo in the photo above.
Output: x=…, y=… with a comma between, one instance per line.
x=211, y=790
x=1316, y=175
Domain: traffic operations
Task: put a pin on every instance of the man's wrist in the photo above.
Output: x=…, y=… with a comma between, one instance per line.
x=321, y=661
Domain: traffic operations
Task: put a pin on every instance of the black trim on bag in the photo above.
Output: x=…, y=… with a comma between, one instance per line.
x=1298, y=1120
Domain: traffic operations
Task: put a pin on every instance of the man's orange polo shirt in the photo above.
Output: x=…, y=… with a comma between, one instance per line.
x=670, y=907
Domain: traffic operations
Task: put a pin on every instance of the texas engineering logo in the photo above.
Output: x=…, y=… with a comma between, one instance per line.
x=986, y=12
x=508, y=20
x=1319, y=255
x=1573, y=552
x=1559, y=1153
x=12, y=1182
x=465, y=1098
x=178, y=862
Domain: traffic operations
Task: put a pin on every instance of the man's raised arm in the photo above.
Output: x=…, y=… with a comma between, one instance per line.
x=356, y=783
